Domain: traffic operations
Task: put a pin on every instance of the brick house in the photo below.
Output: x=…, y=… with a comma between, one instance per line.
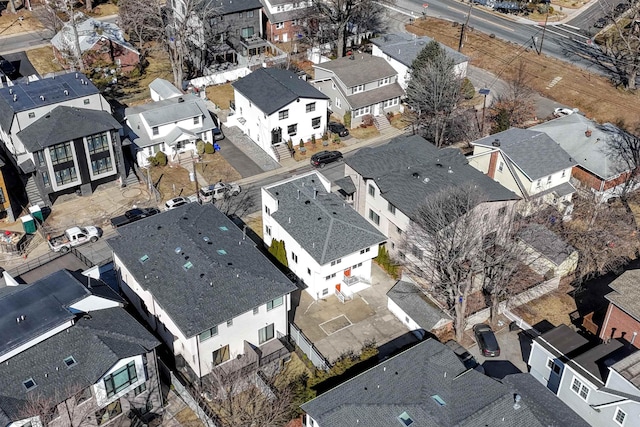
x=623, y=314
x=285, y=19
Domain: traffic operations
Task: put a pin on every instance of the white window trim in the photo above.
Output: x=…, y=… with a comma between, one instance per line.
x=615, y=416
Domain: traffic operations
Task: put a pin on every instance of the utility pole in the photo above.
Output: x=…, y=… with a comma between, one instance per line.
x=544, y=29
x=464, y=29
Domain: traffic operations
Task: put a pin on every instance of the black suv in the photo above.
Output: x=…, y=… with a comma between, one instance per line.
x=323, y=157
x=335, y=127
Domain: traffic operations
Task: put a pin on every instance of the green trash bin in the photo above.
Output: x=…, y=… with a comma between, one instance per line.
x=28, y=224
x=36, y=213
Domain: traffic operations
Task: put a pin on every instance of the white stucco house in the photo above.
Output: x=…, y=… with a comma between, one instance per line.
x=599, y=382
x=328, y=245
x=273, y=106
x=204, y=288
x=401, y=49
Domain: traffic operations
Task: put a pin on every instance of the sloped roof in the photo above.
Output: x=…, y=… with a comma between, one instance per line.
x=90, y=32
x=409, y=169
x=533, y=152
x=225, y=7
x=413, y=301
x=200, y=269
x=164, y=88
x=626, y=293
x=405, y=47
x=271, y=89
x=362, y=69
x=546, y=242
x=325, y=226
x=64, y=124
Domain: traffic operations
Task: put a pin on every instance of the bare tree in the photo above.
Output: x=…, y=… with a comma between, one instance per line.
x=65, y=403
x=621, y=46
x=623, y=150
x=239, y=205
x=53, y=10
x=445, y=246
x=434, y=91
x=142, y=20
x=515, y=106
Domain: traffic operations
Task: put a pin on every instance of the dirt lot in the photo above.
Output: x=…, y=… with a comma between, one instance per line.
x=43, y=60
x=214, y=168
x=592, y=94
x=554, y=307
x=220, y=95
x=11, y=24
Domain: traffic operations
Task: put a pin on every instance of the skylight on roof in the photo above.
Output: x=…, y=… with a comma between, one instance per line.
x=222, y=252
x=187, y=266
x=70, y=361
x=440, y=401
x=29, y=384
x=405, y=419
x=223, y=228
x=144, y=258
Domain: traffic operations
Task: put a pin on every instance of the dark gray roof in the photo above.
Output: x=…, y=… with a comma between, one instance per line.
x=533, y=152
x=65, y=124
x=546, y=242
x=97, y=287
x=405, y=47
x=596, y=361
x=52, y=89
x=413, y=301
x=543, y=404
x=410, y=169
x=364, y=68
x=225, y=7
x=626, y=293
x=408, y=382
x=346, y=184
x=325, y=226
x=562, y=340
x=96, y=342
x=272, y=89
x=219, y=285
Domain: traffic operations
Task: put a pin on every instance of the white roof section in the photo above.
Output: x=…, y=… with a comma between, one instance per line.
x=164, y=89
x=90, y=32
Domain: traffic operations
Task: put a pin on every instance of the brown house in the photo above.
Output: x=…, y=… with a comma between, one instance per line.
x=623, y=315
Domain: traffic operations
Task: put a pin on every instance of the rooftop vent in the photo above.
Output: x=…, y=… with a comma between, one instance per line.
x=587, y=133
x=426, y=180
x=66, y=92
x=181, y=99
x=496, y=143
x=450, y=170
x=516, y=399
x=10, y=91
x=15, y=97
x=206, y=239
x=178, y=250
x=416, y=175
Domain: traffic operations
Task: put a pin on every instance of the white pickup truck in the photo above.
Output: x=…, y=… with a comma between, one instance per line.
x=74, y=236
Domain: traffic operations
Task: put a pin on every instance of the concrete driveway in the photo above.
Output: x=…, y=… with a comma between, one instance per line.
x=514, y=353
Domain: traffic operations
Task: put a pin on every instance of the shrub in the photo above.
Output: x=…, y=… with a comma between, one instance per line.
x=367, y=120
x=468, y=91
x=290, y=145
x=200, y=147
x=278, y=251
x=347, y=119
x=325, y=136
x=161, y=158
x=301, y=145
x=208, y=148
x=385, y=261
x=313, y=140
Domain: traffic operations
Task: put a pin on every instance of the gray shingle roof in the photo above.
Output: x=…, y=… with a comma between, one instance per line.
x=228, y=274
x=370, y=97
x=346, y=184
x=271, y=89
x=407, y=382
x=325, y=226
x=626, y=292
x=546, y=242
x=364, y=68
x=533, y=152
x=413, y=301
x=65, y=124
x=410, y=169
x=90, y=31
x=404, y=48
x=225, y=7
x=96, y=342
x=52, y=90
x=589, y=151
x=164, y=88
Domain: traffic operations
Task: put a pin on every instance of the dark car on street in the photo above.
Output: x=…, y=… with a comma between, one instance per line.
x=600, y=23
x=338, y=128
x=133, y=215
x=486, y=339
x=322, y=158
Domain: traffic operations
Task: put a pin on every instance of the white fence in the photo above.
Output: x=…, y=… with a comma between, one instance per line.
x=221, y=77
x=307, y=347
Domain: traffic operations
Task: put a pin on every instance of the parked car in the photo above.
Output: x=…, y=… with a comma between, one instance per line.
x=176, y=202
x=621, y=8
x=133, y=215
x=486, y=340
x=217, y=191
x=74, y=236
x=561, y=111
x=600, y=23
x=321, y=158
x=217, y=131
x=338, y=128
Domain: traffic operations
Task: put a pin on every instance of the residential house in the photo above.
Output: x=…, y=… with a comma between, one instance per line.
x=416, y=310
x=623, y=314
x=285, y=19
x=548, y=254
x=273, y=106
x=590, y=144
x=161, y=89
x=172, y=125
x=393, y=180
x=71, y=355
x=599, y=382
x=59, y=135
x=529, y=163
x=427, y=385
x=204, y=288
x=102, y=44
x=359, y=85
x=328, y=245
x=401, y=49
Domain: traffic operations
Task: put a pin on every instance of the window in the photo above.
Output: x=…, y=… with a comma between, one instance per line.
x=267, y=230
x=500, y=166
x=391, y=208
x=364, y=250
x=416, y=251
x=337, y=261
x=294, y=257
x=208, y=334
x=196, y=120
x=333, y=85
x=267, y=210
x=325, y=291
x=549, y=179
x=265, y=334
x=384, y=81
x=229, y=323
x=372, y=190
x=70, y=361
x=331, y=276
x=405, y=419
x=101, y=165
x=579, y=388
x=87, y=101
x=619, y=416
x=358, y=89
x=65, y=176
x=391, y=102
x=45, y=179
x=221, y=355
x=155, y=130
x=398, y=230
x=108, y=413
x=292, y=129
x=2, y=199
x=315, y=122
x=338, y=102
x=140, y=389
x=84, y=395
x=538, y=183
x=274, y=303
x=564, y=172
x=374, y=217
x=551, y=364
x=280, y=8
x=284, y=114
x=40, y=158
x=311, y=107
x=240, y=15
x=29, y=384
x=61, y=153
x=98, y=143
x=362, y=111
x=247, y=32
x=256, y=310
x=121, y=379
x=309, y=271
